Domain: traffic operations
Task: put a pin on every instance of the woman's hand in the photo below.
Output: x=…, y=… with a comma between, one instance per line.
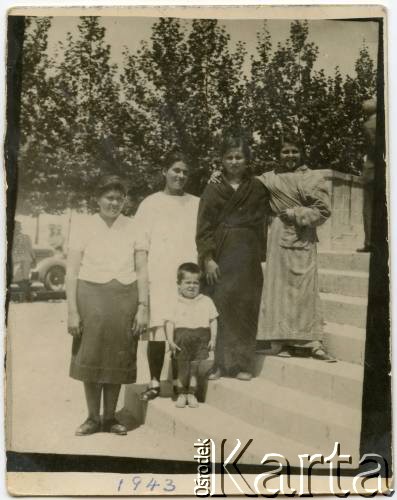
x=173, y=347
x=74, y=324
x=306, y=216
x=141, y=320
x=288, y=216
x=215, y=177
x=211, y=345
x=212, y=272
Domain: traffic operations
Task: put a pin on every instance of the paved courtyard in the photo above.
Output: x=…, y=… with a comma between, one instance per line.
x=45, y=406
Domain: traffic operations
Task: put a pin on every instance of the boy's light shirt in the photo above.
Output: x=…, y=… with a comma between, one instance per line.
x=193, y=313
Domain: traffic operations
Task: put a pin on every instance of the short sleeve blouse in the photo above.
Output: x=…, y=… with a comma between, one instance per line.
x=107, y=252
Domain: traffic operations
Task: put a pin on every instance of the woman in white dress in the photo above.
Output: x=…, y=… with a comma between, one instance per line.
x=167, y=221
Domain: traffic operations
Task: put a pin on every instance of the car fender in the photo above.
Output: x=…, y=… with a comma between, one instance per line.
x=44, y=265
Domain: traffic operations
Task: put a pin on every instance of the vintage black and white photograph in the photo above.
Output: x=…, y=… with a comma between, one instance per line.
x=197, y=265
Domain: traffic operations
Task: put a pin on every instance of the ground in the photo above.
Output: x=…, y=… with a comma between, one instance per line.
x=45, y=406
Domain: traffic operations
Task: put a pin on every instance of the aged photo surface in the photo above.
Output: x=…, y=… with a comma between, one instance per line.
x=197, y=250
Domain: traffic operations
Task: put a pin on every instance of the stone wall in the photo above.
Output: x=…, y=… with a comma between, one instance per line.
x=344, y=229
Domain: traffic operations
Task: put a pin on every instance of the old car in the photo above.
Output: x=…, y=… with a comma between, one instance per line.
x=50, y=269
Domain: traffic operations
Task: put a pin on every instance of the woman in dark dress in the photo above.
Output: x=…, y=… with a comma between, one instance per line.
x=107, y=293
x=231, y=244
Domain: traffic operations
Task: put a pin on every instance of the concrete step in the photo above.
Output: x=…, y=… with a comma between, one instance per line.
x=345, y=342
x=288, y=412
x=339, y=382
x=344, y=309
x=349, y=261
x=352, y=283
x=209, y=421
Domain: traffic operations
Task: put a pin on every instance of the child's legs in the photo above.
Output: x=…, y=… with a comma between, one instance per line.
x=199, y=353
x=193, y=375
x=183, y=374
x=182, y=340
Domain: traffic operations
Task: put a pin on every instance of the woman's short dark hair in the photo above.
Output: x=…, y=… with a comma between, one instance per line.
x=110, y=183
x=232, y=141
x=187, y=267
x=172, y=156
x=292, y=138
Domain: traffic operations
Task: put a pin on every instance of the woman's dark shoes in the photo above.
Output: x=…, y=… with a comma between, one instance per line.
x=215, y=375
x=322, y=355
x=150, y=393
x=90, y=426
x=114, y=426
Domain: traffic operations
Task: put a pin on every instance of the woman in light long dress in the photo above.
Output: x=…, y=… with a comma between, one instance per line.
x=290, y=314
x=167, y=221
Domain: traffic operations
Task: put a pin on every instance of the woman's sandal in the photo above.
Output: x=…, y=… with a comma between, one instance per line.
x=322, y=355
x=150, y=393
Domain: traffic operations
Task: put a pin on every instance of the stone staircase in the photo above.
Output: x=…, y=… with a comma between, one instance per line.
x=293, y=406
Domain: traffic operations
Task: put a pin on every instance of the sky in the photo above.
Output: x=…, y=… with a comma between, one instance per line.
x=339, y=42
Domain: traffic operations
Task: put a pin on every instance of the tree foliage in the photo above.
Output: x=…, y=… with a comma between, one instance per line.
x=83, y=116
x=288, y=95
x=189, y=87
x=36, y=125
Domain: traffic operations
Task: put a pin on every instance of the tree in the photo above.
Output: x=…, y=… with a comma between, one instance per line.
x=36, y=151
x=185, y=86
x=86, y=106
x=189, y=85
x=287, y=94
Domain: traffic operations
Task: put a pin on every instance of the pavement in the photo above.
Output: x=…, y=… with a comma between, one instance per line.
x=45, y=406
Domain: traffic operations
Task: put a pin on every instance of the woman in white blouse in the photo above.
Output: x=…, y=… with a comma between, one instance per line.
x=167, y=223
x=107, y=295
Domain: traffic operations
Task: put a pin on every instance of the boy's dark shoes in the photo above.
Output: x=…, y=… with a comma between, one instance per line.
x=90, y=426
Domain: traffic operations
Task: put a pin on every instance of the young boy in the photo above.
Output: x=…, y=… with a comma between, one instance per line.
x=191, y=331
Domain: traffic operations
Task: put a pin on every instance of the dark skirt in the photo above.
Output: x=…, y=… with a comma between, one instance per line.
x=106, y=352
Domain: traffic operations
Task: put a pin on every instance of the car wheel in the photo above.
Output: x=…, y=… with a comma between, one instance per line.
x=54, y=279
